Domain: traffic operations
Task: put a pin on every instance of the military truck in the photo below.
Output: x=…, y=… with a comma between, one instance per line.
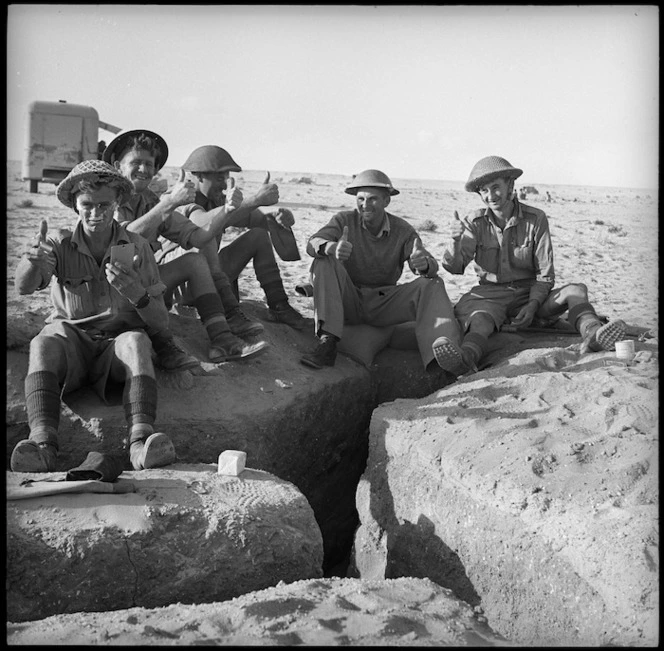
x=60, y=135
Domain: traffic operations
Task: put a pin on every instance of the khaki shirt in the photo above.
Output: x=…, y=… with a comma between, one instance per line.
x=377, y=260
x=82, y=295
x=521, y=254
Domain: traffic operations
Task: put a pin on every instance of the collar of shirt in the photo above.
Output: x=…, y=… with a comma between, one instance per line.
x=516, y=215
x=118, y=236
x=385, y=230
x=205, y=202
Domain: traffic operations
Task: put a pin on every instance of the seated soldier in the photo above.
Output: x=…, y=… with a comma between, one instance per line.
x=139, y=155
x=96, y=334
x=211, y=167
x=358, y=258
x=511, y=246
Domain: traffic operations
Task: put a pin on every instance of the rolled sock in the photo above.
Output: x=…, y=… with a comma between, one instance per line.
x=582, y=317
x=211, y=312
x=223, y=286
x=269, y=278
x=42, y=400
x=140, y=404
x=587, y=325
x=139, y=433
x=474, y=347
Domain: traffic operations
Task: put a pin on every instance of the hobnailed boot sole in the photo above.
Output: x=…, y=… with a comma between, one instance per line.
x=609, y=333
x=448, y=356
x=27, y=456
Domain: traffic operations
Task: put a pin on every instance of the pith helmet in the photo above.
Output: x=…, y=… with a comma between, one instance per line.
x=370, y=179
x=210, y=158
x=95, y=171
x=490, y=168
x=115, y=148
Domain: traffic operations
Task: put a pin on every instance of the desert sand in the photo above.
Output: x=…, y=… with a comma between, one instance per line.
x=606, y=238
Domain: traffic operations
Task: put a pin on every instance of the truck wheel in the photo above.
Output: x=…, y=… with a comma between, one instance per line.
x=34, y=186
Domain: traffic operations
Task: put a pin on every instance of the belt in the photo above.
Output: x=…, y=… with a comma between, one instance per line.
x=517, y=284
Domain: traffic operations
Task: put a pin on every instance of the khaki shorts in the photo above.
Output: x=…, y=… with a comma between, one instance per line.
x=499, y=302
x=88, y=357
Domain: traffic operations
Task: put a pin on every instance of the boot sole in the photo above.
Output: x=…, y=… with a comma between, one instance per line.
x=26, y=457
x=448, y=357
x=158, y=451
x=247, y=352
x=609, y=333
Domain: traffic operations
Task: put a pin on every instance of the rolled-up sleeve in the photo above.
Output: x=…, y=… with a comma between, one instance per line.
x=543, y=258
x=177, y=228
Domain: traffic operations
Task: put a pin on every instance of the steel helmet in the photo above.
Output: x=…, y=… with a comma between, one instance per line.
x=370, y=179
x=117, y=146
x=210, y=158
x=489, y=168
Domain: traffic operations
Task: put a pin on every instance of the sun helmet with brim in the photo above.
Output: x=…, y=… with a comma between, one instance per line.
x=210, y=158
x=489, y=168
x=117, y=147
x=94, y=171
x=371, y=179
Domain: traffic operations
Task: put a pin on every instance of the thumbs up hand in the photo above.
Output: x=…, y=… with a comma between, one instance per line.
x=419, y=258
x=183, y=192
x=268, y=193
x=233, y=195
x=457, y=227
x=342, y=248
x=40, y=253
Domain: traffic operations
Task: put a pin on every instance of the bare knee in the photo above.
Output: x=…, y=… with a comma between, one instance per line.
x=133, y=346
x=577, y=291
x=481, y=323
x=47, y=353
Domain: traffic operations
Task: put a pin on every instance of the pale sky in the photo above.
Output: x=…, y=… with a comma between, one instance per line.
x=568, y=93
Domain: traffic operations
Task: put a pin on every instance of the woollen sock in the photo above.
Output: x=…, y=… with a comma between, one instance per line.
x=269, y=278
x=583, y=318
x=211, y=312
x=222, y=284
x=139, y=399
x=473, y=348
x=42, y=401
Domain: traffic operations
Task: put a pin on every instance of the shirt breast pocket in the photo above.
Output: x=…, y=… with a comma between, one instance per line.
x=522, y=256
x=488, y=256
x=78, y=296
